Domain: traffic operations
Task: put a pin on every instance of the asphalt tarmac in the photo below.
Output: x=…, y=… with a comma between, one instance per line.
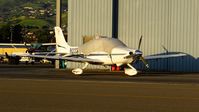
x=41, y=88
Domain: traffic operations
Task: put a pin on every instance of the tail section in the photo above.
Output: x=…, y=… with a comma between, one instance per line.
x=61, y=44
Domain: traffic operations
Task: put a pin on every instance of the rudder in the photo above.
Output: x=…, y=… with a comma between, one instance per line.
x=61, y=44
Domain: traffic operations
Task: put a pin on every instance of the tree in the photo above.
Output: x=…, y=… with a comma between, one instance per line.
x=43, y=35
x=17, y=34
x=5, y=33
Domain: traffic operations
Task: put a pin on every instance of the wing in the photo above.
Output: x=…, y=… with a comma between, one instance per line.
x=164, y=56
x=48, y=44
x=11, y=44
x=68, y=58
x=19, y=44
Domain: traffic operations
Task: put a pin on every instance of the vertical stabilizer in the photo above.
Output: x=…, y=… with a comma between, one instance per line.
x=61, y=44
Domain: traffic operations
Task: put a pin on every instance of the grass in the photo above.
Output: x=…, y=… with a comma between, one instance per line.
x=35, y=6
x=34, y=22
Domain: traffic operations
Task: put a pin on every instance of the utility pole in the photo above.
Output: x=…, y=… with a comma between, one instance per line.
x=11, y=31
x=58, y=12
x=58, y=23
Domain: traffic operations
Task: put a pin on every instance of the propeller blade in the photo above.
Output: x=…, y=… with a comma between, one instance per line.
x=166, y=50
x=28, y=49
x=144, y=61
x=139, y=45
x=25, y=44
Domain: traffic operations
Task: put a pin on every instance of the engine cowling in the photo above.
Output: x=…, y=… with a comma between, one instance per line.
x=119, y=54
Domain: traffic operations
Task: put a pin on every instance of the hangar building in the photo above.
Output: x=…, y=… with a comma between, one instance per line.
x=167, y=26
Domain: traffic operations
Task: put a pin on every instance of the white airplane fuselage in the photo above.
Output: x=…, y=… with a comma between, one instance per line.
x=116, y=57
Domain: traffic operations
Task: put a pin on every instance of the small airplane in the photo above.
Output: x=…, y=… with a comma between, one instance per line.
x=12, y=51
x=99, y=51
x=37, y=47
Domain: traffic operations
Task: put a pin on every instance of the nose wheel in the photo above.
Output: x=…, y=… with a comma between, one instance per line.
x=130, y=71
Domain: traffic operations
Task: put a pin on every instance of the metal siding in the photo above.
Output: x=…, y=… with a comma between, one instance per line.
x=88, y=17
x=148, y=18
x=184, y=34
x=171, y=23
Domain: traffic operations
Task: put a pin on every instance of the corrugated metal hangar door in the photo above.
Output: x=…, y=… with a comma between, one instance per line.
x=170, y=24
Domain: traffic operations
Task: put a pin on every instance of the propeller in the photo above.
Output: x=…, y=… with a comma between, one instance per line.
x=138, y=52
x=137, y=55
x=140, y=42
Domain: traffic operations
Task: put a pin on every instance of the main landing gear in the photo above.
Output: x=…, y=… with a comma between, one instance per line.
x=128, y=71
x=79, y=71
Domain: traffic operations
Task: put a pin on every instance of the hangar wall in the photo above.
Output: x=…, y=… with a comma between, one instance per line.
x=173, y=24
x=88, y=17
